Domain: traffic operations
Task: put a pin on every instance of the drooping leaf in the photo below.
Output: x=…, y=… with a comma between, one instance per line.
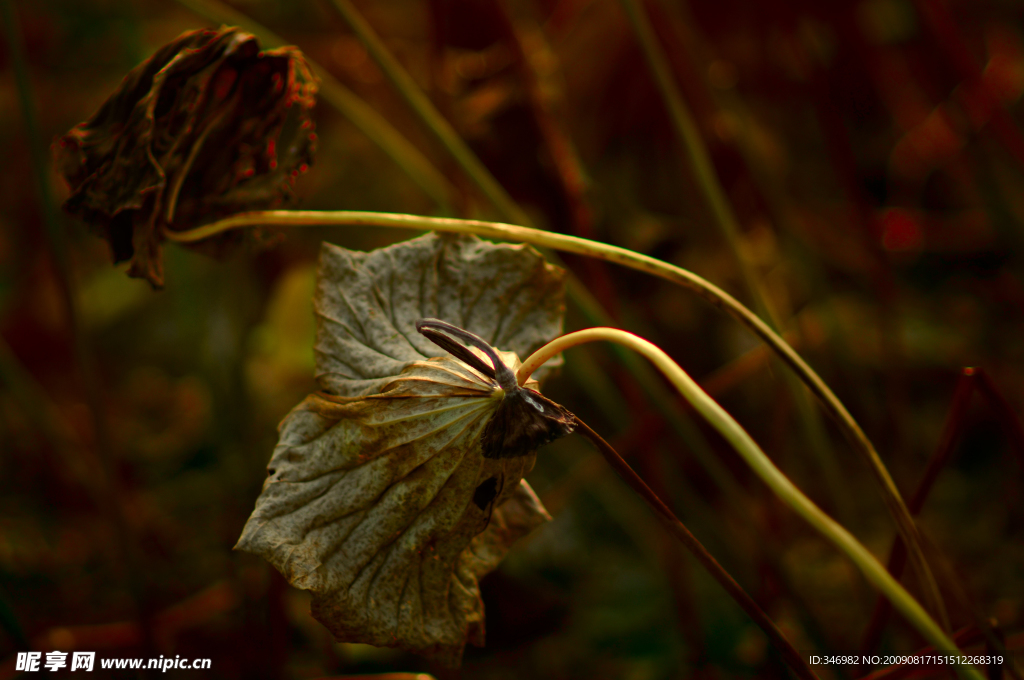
x=206, y=127
x=379, y=499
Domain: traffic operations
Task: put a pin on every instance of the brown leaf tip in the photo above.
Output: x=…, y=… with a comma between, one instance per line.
x=210, y=125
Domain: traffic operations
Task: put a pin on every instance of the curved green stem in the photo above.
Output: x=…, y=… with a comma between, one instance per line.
x=572, y=244
x=759, y=462
x=627, y=258
x=704, y=174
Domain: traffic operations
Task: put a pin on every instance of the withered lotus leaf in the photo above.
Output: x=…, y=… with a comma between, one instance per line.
x=208, y=126
x=378, y=499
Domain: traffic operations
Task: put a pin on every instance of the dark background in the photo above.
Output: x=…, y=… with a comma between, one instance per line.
x=873, y=154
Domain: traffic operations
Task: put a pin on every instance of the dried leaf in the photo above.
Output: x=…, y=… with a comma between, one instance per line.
x=367, y=305
x=379, y=499
x=206, y=127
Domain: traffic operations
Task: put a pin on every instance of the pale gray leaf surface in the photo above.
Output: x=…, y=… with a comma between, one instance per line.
x=367, y=305
x=369, y=501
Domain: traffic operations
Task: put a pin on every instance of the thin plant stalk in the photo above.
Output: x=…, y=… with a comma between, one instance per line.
x=660, y=397
x=614, y=254
x=696, y=152
x=379, y=131
x=430, y=116
x=721, y=209
x=774, y=195
x=796, y=661
x=358, y=112
x=1014, y=429
x=460, y=152
x=759, y=462
x=897, y=554
x=565, y=162
x=952, y=431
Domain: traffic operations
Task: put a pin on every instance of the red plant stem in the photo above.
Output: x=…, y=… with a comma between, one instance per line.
x=898, y=554
x=950, y=434
x=987, y=387
x=971, y=379
x=672, y=557
x=796, y=662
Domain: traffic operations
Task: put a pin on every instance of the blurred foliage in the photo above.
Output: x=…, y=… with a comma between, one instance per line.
x=872, y=151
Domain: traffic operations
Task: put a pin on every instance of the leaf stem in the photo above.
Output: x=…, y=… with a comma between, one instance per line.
x=702, y=167
x=614, y=254
x=759, y=462
x=792, y=658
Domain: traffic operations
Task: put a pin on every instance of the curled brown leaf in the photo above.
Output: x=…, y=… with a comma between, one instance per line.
x=208, y=126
